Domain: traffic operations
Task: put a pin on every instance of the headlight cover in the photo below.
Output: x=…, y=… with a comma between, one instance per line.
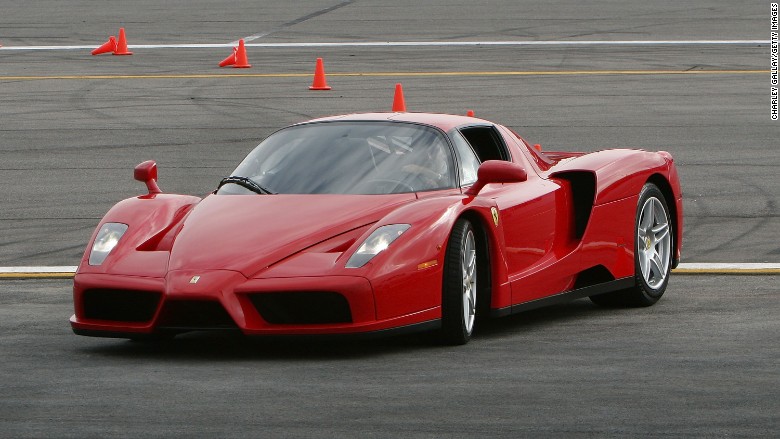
x=105, y=241
x=376, y=243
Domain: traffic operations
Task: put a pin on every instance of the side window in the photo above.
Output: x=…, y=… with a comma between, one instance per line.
x=487, y=143
x=467, y=160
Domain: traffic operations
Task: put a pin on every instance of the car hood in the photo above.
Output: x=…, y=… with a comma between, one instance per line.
x=248, y=233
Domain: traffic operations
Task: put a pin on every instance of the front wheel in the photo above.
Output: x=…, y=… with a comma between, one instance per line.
x=459, y=287
x=652, y=252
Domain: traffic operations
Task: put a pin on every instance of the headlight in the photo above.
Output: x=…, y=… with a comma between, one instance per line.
x=376, y=243
x=105, y=241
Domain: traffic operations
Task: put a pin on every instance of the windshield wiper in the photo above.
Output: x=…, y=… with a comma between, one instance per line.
x=246, y=183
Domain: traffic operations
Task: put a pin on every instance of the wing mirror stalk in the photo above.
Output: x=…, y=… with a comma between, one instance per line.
x=146, y=172
x=497, y=171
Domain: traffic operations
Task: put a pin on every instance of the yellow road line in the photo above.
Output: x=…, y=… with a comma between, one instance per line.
x=390, y=74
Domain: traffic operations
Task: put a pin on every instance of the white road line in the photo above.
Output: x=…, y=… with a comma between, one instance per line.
x=411, y=44
x=46, y=269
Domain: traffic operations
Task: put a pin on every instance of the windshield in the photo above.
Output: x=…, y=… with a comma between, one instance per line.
x=346, y=158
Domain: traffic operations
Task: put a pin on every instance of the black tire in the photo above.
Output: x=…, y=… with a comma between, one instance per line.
x=651, y=273
x=459, y=285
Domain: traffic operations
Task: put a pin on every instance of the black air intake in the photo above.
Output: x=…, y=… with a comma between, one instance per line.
x=120, y=305
x=302, y=308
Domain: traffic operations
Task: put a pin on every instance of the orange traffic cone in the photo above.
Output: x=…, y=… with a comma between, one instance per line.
x=230, y=60
x=319, y=82
x=399, y=105
x=121, y=44
x=241, y=61
x=108, y=46
x=470, y=113
x=237, y=58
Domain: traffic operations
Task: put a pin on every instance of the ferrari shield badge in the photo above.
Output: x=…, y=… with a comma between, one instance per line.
x=494, y=211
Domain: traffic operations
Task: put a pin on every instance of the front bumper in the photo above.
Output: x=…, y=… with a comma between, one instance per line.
x=135, y=307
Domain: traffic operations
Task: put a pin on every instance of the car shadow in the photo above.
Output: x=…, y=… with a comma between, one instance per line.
x=581, y=309
x=213, y=346
x=232, y=346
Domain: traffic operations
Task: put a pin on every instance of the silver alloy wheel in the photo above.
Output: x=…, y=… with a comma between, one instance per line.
x=469, y=270
x=654, y=243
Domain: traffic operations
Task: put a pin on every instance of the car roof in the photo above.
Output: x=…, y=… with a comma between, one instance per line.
x=444, y=122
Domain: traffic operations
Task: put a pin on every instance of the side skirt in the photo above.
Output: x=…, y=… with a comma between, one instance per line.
x=430, y=325
x=567, y=296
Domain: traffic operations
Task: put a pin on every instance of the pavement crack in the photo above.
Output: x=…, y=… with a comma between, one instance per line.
x=297, y=21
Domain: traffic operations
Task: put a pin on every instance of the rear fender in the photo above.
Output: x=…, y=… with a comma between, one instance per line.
x=620, y=173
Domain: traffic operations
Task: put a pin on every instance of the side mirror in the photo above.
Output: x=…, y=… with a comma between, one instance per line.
x=146, y=172
x=497, y=171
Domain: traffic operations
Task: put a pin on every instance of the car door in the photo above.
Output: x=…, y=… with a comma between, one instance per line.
x=527, y=215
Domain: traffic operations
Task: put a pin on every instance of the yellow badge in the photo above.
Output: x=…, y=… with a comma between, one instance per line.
x=494, y=211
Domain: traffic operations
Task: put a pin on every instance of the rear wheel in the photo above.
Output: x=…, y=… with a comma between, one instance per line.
x=459, y=288
x=652, y=252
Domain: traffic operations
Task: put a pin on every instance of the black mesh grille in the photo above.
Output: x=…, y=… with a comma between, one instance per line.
x=120, y=305
x=196, y=314
x=302, y=307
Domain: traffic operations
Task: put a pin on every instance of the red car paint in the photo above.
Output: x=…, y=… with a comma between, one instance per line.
x=229, y=250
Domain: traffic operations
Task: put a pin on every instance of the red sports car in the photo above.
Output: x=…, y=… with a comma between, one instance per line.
x=382, y=223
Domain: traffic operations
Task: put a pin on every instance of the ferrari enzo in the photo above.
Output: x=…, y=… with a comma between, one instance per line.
x=381, y=223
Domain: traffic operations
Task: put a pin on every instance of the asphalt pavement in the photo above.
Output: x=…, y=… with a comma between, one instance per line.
x=701, y=363
x=73, y=126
